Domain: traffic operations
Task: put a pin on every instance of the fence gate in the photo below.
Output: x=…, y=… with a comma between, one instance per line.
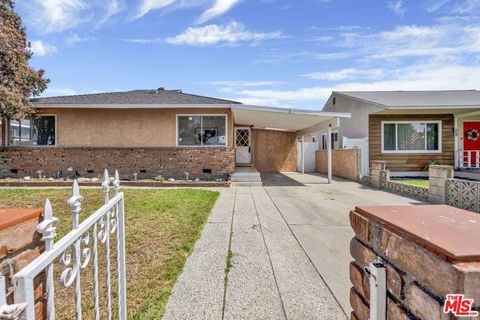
x=361, y=144
x=310, y=156
x=74, y=252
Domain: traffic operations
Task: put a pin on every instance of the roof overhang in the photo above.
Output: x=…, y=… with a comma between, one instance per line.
x=281, y=118
x=131, y=106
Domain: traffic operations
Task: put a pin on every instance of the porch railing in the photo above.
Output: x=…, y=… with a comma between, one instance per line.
x=75, y=252
x=468, y=159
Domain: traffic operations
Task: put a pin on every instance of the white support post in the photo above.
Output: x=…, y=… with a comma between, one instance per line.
x=303, y=154
x=329, y=154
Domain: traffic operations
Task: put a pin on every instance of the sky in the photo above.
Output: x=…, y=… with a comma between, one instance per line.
x=285, y=53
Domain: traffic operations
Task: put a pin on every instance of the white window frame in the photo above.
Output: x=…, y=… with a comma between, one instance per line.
x=439, y=122
x=202, y=115
x=7, y=128
x=324, y=135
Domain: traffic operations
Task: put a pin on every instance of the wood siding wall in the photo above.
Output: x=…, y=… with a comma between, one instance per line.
x=406, y=162
x=274, y=151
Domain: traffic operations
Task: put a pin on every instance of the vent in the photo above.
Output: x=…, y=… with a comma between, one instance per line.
x=14, y=171
x=207, y=171
x=90, y=171
x=143, y=171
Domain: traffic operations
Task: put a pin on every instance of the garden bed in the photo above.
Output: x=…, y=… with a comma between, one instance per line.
x=98, y=183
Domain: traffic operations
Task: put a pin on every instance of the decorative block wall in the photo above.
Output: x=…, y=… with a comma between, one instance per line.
x=424, y=261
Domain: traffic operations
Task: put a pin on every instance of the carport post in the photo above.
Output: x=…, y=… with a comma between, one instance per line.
x=329, y=153
x=303, y=154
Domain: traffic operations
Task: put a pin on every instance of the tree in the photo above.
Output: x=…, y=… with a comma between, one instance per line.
x=18, y=81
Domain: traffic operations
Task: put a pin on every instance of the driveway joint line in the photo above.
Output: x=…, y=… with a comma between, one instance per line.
x=228, y=252
x=309, y=259
x=268, y=254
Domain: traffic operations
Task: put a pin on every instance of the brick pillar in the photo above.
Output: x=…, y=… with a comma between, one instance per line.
x=19, y=245
x=437, y=176
x=376, y=173
x=424, y=261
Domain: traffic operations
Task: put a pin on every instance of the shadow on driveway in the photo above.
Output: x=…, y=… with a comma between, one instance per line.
x=276, y=179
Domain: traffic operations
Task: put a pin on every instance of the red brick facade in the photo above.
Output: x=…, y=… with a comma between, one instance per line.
x=146, y=162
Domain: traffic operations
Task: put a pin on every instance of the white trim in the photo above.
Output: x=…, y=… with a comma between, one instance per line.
x=132, y=106
x=7, y=134
x=291, y=111
x=439, y=122
x=201, y=125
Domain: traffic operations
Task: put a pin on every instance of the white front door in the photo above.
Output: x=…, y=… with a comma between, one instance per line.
x=243, y=145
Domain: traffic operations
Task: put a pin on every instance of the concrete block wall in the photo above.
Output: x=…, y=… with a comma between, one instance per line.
x=420, y=272
x=19, y=245
x=437, y=176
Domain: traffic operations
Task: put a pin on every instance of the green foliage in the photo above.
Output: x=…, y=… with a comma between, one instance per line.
x=18, y=81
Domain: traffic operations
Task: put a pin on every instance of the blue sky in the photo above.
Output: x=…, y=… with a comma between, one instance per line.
x=288, y=53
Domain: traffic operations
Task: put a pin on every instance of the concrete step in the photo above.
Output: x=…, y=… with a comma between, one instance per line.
x=246, y=184
x=246, y=175
x=245, y=179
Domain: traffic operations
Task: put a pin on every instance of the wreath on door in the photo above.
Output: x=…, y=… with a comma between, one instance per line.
x=473, y=134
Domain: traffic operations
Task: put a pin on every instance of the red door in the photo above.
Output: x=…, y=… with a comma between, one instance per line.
x=471, y=141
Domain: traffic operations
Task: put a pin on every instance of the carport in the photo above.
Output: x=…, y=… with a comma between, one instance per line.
x=297, y=121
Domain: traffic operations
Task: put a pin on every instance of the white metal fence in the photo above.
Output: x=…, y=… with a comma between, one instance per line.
x=74, y=253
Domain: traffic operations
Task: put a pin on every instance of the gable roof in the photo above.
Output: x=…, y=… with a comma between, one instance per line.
x=134, y=97
x=417, y=99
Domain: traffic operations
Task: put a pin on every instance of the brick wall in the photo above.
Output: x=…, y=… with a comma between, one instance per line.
x=19, y=245
x=424, y=261
x=90, y=162
x=345, y=163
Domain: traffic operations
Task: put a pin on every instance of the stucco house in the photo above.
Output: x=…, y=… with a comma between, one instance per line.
x=410, y=129
x=151, y=133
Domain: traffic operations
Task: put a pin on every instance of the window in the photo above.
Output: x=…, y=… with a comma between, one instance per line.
x=324, y=140
x=198, y=130
x=39, y=131
x=411, y=137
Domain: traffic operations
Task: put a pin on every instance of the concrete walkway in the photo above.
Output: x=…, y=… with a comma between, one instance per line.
x=275, y=252
x=270, y=276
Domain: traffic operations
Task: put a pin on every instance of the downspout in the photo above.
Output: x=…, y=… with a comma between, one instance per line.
x=329, y=154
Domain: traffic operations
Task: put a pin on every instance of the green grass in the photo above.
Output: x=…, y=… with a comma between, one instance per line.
x=162, y=227
x=415, y=182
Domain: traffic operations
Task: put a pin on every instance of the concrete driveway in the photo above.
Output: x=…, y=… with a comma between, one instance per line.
x=317, y=215
x=280, y=251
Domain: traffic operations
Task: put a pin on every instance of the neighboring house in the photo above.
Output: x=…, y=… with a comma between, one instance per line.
x=410, y=129
x=151, y=133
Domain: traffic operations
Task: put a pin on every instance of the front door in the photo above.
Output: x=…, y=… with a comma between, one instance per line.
x=471, y=143
x=243, y=145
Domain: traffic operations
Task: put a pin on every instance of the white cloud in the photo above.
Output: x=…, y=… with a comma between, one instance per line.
x=432, y=76
x=467, y=7
x=231, y=33
x=397, y=6
x=346, y=74
x=40, y=48
x=56, y=15
x=75, y=38
x=219, y=7
x=240, y=84
x=144, y=40
x=112, y=7
x=51, y=92
x=148, y=5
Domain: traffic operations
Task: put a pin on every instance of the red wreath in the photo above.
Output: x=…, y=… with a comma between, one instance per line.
x=473, y=134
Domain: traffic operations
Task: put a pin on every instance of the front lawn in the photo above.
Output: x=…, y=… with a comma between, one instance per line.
x=162, y=227
x=415, y=182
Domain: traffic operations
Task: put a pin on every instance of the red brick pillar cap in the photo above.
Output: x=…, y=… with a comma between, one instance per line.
x=12, y=217
x=448, y=231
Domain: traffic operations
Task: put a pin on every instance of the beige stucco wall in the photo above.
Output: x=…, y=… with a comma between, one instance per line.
x=124, y=127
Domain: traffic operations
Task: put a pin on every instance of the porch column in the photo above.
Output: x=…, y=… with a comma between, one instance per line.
x=303, y=154
x=329, y=153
